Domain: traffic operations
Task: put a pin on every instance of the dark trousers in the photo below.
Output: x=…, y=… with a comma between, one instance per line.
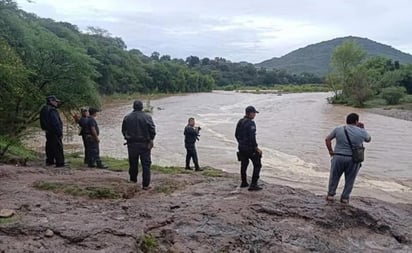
x=93, y=152
x=191, y=154
x=54, y=150
x=244, y=156
x=342, y=165
x=86, y=151
x=142, y=151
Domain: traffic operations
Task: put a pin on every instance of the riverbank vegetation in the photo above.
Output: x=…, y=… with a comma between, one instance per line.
x=360, y=81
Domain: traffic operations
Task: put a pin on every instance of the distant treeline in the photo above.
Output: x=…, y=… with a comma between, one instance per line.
x=39, y=56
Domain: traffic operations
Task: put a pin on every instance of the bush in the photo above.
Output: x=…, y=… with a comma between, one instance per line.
x=393, y=95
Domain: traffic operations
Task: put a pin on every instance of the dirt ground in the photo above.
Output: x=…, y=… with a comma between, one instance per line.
x=79, y=210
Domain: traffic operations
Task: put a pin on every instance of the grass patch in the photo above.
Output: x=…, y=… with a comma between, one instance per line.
x=15, y=151
x=93, y=192
x=168, y=186
x=170, y=170
x=377, y=102
x=9, y=220
x=148, y=243
x=210, y=172
x=114, y=164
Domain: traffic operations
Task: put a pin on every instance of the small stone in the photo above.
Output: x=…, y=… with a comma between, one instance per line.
x=49, y=233
x=6, y=213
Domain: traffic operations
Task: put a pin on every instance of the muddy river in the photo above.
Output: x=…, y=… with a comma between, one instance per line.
x=290, y=130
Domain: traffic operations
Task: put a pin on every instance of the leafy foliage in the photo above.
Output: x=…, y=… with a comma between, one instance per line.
x=356, y=80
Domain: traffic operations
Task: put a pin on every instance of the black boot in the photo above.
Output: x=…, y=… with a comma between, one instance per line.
x=100, y=165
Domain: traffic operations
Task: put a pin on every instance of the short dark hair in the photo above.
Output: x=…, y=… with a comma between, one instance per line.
x=352, y=118
x=138, y=105
x=191, y=118
x=93, y=111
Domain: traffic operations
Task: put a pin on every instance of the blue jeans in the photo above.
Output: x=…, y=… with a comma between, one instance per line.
x=136, y=151
x=339, y=165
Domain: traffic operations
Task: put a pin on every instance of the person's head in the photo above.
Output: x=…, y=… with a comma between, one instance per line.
x=137, y=105
x=250, y=112
x=84, y=112
x=93, y=111
x=52, y=100
x=352, y=119
x=191, y=121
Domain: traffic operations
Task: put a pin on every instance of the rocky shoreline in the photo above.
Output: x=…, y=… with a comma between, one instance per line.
x=393, y=112
x=81, y=210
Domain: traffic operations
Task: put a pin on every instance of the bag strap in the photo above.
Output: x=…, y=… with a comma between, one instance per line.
x=347, y=136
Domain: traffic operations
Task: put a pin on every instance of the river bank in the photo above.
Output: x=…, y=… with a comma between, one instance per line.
x=400, y=112
x=82, y=210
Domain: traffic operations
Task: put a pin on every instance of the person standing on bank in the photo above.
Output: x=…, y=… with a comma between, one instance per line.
x=191, y=136
x=139, y=132
x=51, y=123
x=93, y=141
x=248, y=148
x=82, y=121
x=349, y=138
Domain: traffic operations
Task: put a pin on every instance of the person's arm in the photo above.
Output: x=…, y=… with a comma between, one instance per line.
x=366, y=136
x=151, y=127
x=93, y=130
x=328, y=142
x=124, y=127
x=55, y=123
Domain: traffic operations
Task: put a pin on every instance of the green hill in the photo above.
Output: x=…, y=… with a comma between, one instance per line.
x=315, y=58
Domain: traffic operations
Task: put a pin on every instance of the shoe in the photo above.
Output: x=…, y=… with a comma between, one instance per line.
x=329, y=198
x=198, y=169
x=255, y=188
x=146, y=188
x=344, y=201
x=133, y=181
x=102, y=166
x=244, y=185
x=188, y=168
x=91, y=166
x=49, y=164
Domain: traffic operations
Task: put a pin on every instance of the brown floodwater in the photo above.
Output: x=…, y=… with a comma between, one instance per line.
x=290, y=130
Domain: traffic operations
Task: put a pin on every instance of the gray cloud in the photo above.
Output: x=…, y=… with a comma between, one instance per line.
x=237, y=30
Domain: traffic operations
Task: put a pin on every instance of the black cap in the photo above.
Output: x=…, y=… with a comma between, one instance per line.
x=138, y=105
x=83, y=109
x=52, y=98
x=250, y=109
x=93, y=111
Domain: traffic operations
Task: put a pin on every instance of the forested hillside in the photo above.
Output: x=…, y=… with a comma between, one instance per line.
x=315, y=58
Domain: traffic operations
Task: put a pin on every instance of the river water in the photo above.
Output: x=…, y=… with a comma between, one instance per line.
x=290, y=130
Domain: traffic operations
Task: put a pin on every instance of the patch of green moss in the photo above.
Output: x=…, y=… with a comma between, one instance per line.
x=93, y=192
x=148, y=243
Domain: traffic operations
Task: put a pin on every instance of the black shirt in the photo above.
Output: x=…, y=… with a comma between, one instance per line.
x=91, y=122
x=246, y=134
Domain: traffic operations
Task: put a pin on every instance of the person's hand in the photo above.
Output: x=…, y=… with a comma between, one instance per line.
x=331, y=153
x=76, y=117
x=259, y=151
x=360, y=124
x=97, y=139
x=150, y=145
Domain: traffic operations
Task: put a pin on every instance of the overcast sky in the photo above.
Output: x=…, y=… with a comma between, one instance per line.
x=249, y=30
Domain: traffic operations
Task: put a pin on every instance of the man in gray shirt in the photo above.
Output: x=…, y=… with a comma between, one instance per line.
x=342, y=155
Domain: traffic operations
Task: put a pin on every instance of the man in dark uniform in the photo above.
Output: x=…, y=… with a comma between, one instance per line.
x=139, y=131
x=248, y=148
x=191, y=136
x=93, y=140
x=82, y=121
x=51, y=123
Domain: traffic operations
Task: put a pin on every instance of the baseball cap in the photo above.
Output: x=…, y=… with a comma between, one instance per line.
x=52, y=98
x=250, y=109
